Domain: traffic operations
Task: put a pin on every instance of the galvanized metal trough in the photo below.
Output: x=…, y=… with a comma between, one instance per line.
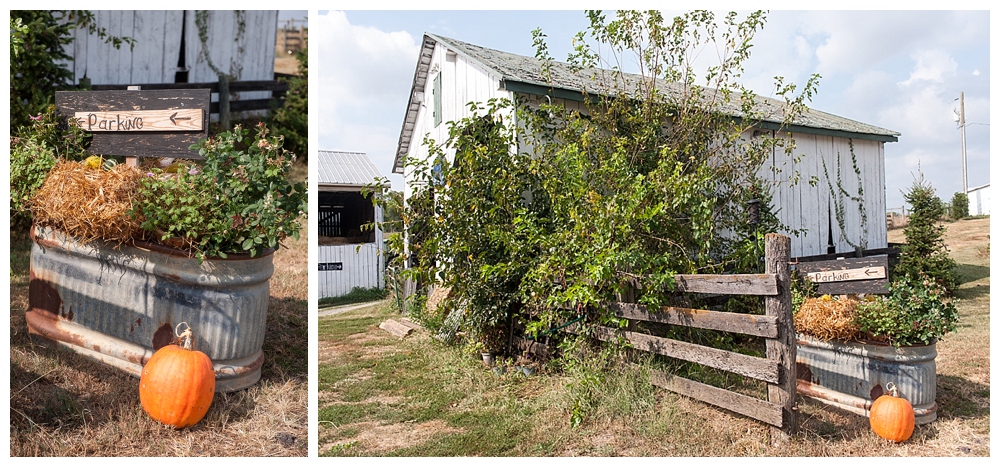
x=851, y=375
x=118, y=305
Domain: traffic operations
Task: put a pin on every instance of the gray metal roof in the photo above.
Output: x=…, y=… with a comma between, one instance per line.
x=348, y=169
x=522, y=74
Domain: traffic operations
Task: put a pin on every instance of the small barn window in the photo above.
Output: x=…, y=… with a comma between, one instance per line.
x=341, y=215
x=437, y=100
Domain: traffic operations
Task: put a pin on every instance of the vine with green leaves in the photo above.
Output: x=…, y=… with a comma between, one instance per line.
x=201, y=22
x=839, y=203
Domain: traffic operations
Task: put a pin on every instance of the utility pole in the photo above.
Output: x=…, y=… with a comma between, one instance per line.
x=961, y=124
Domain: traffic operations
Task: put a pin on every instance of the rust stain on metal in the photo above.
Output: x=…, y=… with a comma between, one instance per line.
x=43, y=242
x=42, y=296
x=249, y=368
x=68, y=315
x=876, y=392
x=164, y=335
x=804, y=373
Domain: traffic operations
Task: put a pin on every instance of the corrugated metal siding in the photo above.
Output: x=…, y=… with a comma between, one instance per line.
x=132, y=294
x=344, y=168
x=361, y=268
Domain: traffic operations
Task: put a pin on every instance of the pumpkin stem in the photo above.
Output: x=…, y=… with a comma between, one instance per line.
x=187, y=337
x=892, y=389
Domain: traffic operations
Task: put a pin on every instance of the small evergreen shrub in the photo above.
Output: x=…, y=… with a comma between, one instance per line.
x=959, y=206
x=924, y=252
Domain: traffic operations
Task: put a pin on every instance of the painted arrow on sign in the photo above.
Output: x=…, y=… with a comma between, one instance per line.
x=174, y=118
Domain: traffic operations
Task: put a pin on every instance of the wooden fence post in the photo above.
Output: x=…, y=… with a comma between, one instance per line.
x=224, y=101
x=777, y=249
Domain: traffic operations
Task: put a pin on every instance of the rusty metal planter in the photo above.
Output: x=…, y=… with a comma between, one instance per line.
x=851, y=375
x=118, y=305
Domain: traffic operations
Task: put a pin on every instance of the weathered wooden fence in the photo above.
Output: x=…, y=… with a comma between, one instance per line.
x=777, y=369
x=223, y=105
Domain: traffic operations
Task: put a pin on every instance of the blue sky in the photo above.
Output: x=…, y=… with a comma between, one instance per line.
x=901, y=70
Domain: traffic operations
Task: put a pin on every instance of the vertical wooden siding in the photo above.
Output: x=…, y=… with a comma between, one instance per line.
x=809, y=206
x=361, y=268
x=157, y=37
x=461, y=82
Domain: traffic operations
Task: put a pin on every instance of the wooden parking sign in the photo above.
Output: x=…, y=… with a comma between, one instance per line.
x=844, y=276
x=156, y=123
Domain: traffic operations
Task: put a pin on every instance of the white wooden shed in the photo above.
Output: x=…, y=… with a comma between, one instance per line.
x=979, y=200
x=168, y=48
x=348, y=255
x=451, y=73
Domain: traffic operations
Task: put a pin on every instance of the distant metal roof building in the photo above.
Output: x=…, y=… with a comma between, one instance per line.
x=346, y=169
x=522, y=74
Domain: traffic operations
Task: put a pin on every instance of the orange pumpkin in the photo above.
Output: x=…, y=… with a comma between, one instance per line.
x=891, y=416
x=177, y=384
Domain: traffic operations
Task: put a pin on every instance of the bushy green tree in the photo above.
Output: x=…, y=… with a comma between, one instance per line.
x=959, y=206
x=924, y=252
x=545, y=212
x=36, y=55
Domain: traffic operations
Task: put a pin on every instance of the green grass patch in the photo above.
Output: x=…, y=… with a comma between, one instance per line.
x=356, y=295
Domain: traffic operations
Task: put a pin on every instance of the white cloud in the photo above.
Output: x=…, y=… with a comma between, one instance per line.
x=931, y=65
x=364, y=77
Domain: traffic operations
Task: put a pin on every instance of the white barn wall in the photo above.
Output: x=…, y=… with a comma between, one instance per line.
x=809, y=207
x=979, y=201
x=461, y=82
x=157, y=35
x=361, y=268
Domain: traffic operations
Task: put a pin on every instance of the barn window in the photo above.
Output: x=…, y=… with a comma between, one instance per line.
x=437, y=100
x=341, y=215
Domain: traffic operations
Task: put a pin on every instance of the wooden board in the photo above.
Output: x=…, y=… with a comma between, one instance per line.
x=848, y=275
x=142, y=120
x=753, y=325
x=746, y=365
x=728, y=284
x=752, y=407
x=157, y=143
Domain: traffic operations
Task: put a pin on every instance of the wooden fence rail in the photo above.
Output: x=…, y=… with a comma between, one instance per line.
x=777, y=368
x=224, y=106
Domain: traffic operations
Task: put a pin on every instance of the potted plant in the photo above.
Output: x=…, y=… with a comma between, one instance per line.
x=874, y=340
x=202, y=254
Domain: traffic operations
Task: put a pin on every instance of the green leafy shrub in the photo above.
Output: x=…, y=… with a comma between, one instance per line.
x=33, y=153
x=959, y=206
x=914, y=313
x=924, y=253
x=239, y=200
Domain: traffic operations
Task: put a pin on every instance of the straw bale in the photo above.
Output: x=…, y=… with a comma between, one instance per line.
x=89, y=203
x=828, y=318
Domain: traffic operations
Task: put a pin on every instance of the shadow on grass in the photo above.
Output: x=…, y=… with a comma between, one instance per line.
x=972, y=272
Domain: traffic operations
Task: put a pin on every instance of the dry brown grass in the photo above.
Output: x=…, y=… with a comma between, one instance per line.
x=89, y=203
x=63, y=404
x=828, y=318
